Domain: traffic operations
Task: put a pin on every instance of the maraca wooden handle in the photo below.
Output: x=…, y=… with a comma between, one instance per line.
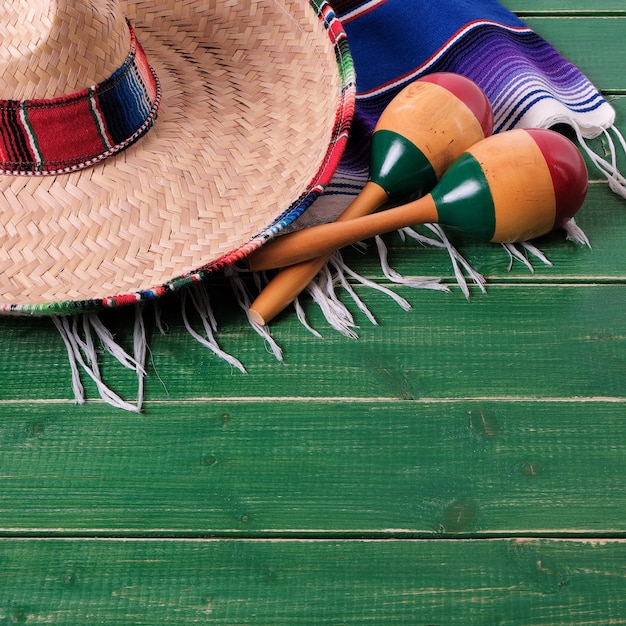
x=326, y=238
x=285, y=287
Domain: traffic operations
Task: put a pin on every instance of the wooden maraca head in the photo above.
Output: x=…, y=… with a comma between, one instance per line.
x=423, y=130
x=513, y=186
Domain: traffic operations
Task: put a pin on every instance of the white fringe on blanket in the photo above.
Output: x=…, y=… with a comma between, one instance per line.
x=607, y=166
x=78, y=332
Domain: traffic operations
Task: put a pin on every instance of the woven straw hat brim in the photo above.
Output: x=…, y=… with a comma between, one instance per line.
x=257, y=98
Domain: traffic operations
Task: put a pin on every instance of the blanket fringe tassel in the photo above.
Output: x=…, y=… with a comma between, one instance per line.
x=77, y=333
x=607, y=165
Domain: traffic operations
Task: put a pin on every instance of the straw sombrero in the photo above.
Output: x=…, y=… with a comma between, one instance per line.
x=145, y=144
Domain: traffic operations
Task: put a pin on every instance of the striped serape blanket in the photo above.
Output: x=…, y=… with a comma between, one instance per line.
x=527, y=81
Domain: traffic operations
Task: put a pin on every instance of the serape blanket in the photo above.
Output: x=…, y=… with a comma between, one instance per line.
x=527, y=81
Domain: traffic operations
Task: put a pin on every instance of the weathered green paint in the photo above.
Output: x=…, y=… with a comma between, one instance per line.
x=435, y=583
x=461, y=463
x=286, y=468
x=400, y=167
x=492, y=338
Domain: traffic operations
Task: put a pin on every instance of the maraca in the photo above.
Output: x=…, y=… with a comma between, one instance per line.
x=419, y=134
x=509, y=187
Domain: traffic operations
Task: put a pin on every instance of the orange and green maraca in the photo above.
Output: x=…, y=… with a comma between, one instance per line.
x=517, y=186
x=423, y=130
x=509, y=187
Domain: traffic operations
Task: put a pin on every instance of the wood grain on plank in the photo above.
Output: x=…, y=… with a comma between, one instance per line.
x=510, y=341
x=290, y=468
x=510, y=582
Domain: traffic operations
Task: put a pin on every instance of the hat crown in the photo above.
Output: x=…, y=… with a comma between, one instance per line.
x=51, y=48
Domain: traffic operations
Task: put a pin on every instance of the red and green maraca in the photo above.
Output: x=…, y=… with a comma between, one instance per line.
x=513, y=186
x=422, y=131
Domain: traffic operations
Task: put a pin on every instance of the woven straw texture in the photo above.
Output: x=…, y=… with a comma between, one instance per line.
x=253, y=113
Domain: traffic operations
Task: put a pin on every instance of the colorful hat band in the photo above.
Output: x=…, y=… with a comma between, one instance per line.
x=61, y=135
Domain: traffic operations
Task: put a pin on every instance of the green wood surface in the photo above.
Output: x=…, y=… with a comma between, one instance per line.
x=571, y=7
x=460, y=463
x=509, y=342
x=282, y=468
x=509, y=582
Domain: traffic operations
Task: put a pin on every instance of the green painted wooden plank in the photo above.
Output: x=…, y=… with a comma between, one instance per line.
x=446, y=346
x=286, y=468
x=486, y=341
x=442, y=583
x=556, y=7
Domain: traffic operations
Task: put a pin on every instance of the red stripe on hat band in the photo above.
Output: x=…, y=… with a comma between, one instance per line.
x=59, y=135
